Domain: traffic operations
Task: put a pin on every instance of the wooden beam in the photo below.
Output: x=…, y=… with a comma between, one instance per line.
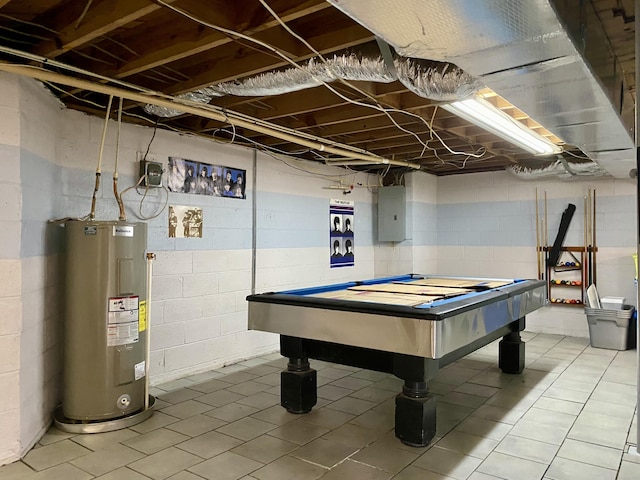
x=174, y=49
x=101, y=19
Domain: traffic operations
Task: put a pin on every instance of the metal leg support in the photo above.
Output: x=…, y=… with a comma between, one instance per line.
x=415, y=406
x=511, y=353
x=298, y=383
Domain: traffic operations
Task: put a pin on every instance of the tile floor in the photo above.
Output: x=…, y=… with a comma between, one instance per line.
x=570, y=415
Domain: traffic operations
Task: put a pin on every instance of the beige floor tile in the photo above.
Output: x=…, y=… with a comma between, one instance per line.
x=352, y=383
x=199, y=378
x=482, y=476
x=573, y=385
x=187, y=409
x=261, y=400
x=528, y=449
x=175, y=385
x=380, y=456
x=298, y=431
x=415, y=473
x=608, y=408
x=592, y=454
x=333, y=392
x=63, y=471
x=219, y=398
x=464, y=399
x=546, y=417
x=54, y=435
x=569, y=395
x=390, y=383
x=273, y=379
x=179, y=396
x=629, y=471
x=617, y=393
x=506, y=466
x=355, y=471
x=209, y=444
x=165, y=463
x=543, y=433
x=289, y=468
x=564, y=469
x=98, y=441
x=477, y=390
x=16, y=471
x=276, y=415
x=467, y=444
x=370, y=375
x=484, y=428
x=54, y=454
x=157, y=420
x=184, y=475
x=560, y=406
x=323, y=452
x=209, y=386
x=238, y=377
x=448, y=463
x=265, y=448
x=375, y=395
x=123, y=473
x=328, y=418
x=332, y=372
x=249, y=387
x=107, y=459
x=155, y=440
x=246, y=428
x=196, y=425
x=375, y=420
x=232, y=412
x=353, y=435
x=351, y=405
x=498, y=414
x=226, y=466
x=262, y=370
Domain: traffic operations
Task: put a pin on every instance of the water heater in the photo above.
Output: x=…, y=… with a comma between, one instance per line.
x=105, y=321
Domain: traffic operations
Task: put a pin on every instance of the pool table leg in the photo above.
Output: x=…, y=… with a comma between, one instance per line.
x=511, y=350
x=415, y=406
x=298, y=392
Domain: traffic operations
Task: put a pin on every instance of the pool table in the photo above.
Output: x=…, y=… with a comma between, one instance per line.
x=409, y=325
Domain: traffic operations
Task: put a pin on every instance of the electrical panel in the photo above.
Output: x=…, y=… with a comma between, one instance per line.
x=392, y=214
x=152, y=173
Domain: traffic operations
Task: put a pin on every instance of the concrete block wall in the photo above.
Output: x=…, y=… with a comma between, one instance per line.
x=486, y=226
x=10, y=268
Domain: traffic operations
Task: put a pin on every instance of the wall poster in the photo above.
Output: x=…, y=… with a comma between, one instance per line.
x=185, y=221
x=187, y=176
x=341, y=233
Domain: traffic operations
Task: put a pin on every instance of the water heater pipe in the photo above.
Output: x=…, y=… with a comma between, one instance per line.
x=123, y=215
x=147, y=351
x=96, y=187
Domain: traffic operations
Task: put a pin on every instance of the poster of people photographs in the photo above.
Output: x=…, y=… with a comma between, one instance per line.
x=185, y=221
x=187, y=176
x=341, y=233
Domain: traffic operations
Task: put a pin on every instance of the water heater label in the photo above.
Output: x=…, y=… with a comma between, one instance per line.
x=122, y=326
x=122, y=231
x=139, y=370
x=90, y=230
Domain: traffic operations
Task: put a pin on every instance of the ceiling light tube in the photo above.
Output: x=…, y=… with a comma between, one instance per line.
x=482, y=113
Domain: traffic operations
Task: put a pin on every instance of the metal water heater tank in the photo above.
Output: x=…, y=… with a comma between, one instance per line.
x=104, y=332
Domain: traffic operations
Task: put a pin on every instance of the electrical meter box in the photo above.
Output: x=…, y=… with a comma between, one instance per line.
x=392, y=214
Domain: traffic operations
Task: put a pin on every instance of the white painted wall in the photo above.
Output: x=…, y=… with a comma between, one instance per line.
x=486, y=226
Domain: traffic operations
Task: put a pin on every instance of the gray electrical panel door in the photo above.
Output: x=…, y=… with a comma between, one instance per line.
x=392, y=214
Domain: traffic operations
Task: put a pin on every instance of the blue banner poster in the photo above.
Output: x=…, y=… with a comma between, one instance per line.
x=341, y=225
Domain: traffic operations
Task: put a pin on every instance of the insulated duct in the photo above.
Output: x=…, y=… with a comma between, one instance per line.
x=444, y=83
x=522, y=51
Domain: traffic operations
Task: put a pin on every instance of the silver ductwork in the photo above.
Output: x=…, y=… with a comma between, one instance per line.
x=522, y=50
x=444, y=83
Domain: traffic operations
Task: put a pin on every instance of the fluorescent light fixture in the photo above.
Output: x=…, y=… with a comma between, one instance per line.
x=482, y=113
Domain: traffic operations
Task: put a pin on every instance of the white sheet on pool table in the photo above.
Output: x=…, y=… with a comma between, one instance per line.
x=378, y=297
x=461, y=283
x=412, y=289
